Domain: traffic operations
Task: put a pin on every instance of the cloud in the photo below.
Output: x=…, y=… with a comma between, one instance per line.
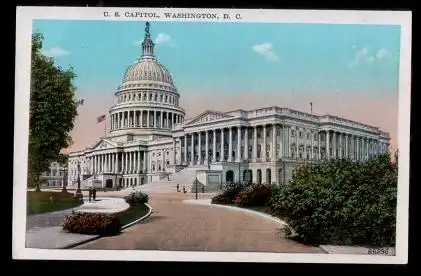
x=382, y=53
x=363, y=55
x=358, y=56
x=55, y=52
x=266, y=50
x=162, y=38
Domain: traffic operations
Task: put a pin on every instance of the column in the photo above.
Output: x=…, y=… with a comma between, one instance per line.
x=311, y=145
x=140, y=118
x=297, y=131
x=246, y=144
x=222, y=153
x=281, y=141
x=116, y=170
x=108, y=162
x=340, y=146
x=358, y=147
x=255, y=144
x=346, y=146
x=144, y=161
x=173, y=152
x=230, y=145
x=126, y=162
x=162, y=119
x=264, y=144
x=199, y=149
x=327, y=145
x=206, y=147
x=238, y=154
x=334, y=145
x=214, y=146
x=273, y=143
x=319, y=150
x=147, y=118
x=131, y=162
x=185, y=149
x=192, y=149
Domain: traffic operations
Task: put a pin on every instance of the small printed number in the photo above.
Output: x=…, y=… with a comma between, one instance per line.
x=378, y=251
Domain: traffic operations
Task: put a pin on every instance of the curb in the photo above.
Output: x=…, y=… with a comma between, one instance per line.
x=80, y=242
x=324, y=249
x=122, y=228
x=139, y=219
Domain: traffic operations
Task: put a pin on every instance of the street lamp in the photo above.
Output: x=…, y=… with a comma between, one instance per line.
x=63, y=187
x=78, y=191
x=196, y=186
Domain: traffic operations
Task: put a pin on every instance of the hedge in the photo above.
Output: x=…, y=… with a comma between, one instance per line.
x=341, y=202
x=137, y=198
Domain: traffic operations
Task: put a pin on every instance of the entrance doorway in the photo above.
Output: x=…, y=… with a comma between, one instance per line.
x=229, y=176
x=108, y=183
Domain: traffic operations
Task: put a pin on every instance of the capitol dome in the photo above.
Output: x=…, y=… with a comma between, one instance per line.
x=147, y=68
x=147, y=101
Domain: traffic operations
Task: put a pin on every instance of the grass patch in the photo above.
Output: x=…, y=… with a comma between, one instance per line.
x=39, y=202
x=133, y=213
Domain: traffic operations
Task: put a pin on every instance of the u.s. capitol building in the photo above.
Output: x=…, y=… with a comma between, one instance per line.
x=151, y=142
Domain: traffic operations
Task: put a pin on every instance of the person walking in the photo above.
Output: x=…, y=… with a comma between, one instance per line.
x=94, y=193
x=90, y=193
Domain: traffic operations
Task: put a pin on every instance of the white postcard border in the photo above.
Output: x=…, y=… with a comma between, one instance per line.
x=24, y=18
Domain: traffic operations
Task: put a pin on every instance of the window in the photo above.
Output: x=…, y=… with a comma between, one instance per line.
x=166, y=98
x=292, y=133
x=308, y=135
x=168, y=162
x=300, y=134
x=160, y=98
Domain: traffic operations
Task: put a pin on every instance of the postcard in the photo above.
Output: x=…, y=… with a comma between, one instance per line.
x=165, y=134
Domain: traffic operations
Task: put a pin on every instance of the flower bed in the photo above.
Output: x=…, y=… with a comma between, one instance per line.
x=107, y=224
x=92, y=224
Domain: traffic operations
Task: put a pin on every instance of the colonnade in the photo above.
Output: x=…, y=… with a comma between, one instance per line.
x=144, y=119
x=271, y=142
x=130, y=162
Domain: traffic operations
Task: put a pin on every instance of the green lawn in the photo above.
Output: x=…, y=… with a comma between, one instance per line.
x=133, y=213
x=39, y=202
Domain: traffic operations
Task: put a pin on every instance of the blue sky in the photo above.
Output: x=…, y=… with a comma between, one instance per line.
x=232, y=57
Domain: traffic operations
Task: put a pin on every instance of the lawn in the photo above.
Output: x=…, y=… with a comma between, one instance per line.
x=133, y=213
x=39, y=202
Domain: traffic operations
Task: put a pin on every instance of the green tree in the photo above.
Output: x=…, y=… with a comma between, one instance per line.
x=52, y=112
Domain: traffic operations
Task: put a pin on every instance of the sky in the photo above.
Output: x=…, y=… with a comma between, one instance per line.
x=344, y=70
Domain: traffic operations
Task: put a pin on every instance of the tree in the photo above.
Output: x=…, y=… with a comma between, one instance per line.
x=52, y=112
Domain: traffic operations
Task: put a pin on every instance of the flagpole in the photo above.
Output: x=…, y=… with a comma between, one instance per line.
x=105, y=126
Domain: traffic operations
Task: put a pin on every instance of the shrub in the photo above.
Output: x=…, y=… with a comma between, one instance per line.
x=228, y=193
x=341, y=202
x=137, y=198
x=255, y=195
x=91, y=224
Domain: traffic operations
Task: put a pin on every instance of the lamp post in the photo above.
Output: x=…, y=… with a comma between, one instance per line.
x=63, y=185
x=78, y=191
x=196, y=186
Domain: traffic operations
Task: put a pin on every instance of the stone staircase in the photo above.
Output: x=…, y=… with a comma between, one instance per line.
x=183, y=177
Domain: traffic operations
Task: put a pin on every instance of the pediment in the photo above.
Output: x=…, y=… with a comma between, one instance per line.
x=208, y=116
x=104, y=144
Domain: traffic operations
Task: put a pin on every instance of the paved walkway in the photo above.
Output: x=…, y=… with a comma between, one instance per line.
x=177, y=226
x=44, y=231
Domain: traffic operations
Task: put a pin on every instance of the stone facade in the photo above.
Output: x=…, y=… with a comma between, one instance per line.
x=150, y=139
x=55, y=177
